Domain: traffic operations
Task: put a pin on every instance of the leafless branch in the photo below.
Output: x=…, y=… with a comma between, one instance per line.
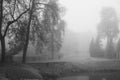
x=11, y=22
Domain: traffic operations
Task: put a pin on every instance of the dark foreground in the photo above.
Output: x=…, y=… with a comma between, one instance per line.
x=95, y=69
x=102, y=70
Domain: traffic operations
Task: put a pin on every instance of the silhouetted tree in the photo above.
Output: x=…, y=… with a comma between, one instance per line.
x=118, y=49
x=96, y=48
x=8, y=18
x=28, y=31
x=108, y=27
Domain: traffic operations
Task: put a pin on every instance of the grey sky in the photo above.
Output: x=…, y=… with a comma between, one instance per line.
x=83, y=15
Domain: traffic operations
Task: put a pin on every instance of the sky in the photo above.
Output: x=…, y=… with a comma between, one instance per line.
x=84, y=15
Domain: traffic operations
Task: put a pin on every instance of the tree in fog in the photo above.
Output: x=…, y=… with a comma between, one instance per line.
x=30, y=15
x=10, y=13
x=18, y=31
x=118, y=49
x=95, y=48
x=108, y=28
x=40, y=24
x=53, y=26
x=19, y=36
x=23, y=20
x=91, y=47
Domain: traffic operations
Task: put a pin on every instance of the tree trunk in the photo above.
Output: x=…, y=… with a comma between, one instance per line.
x=25, y=51
x=110, y=48
x=26, y=42
x=3, y=50
x=27, y=34
x=2, y=39
x=52, y=46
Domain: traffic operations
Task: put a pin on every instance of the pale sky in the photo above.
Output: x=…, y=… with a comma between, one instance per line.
x=83, y=15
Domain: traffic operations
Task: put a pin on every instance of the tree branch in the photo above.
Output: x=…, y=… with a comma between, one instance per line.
x=11, y=22
x=41, y=3
x=14, y=7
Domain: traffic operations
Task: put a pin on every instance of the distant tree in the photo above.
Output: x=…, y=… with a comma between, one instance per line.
x=108, y=27
x=96, y=48
x=56, y=38
x=91, y=47
x=111, y=51
x=118, y=49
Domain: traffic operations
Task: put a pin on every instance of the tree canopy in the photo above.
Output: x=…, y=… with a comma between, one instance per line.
x=108, y=28
x=30, y=20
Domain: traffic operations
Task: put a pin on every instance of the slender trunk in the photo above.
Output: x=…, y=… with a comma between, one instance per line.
x=26, y=42
x=52, y=46
x=27, y=35
x=109, y=47
x=1, y=16
x=2, y=39
x=3, y=50
x=25, y=51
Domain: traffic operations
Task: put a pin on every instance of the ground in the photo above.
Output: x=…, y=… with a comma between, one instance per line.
x=59, y=68
x=84, y=67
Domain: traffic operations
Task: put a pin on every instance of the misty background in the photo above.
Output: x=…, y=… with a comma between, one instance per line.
x=82, y=18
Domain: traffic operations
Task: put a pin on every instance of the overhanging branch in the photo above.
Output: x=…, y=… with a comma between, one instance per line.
x=11, y=22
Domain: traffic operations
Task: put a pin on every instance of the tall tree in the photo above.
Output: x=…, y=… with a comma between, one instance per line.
x=108, y=27
x=28, y=31
x=7, y=18
x=36, y=24
x=53, y=28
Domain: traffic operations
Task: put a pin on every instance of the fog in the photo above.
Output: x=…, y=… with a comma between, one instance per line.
x=60, y=40
x=82, y=18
